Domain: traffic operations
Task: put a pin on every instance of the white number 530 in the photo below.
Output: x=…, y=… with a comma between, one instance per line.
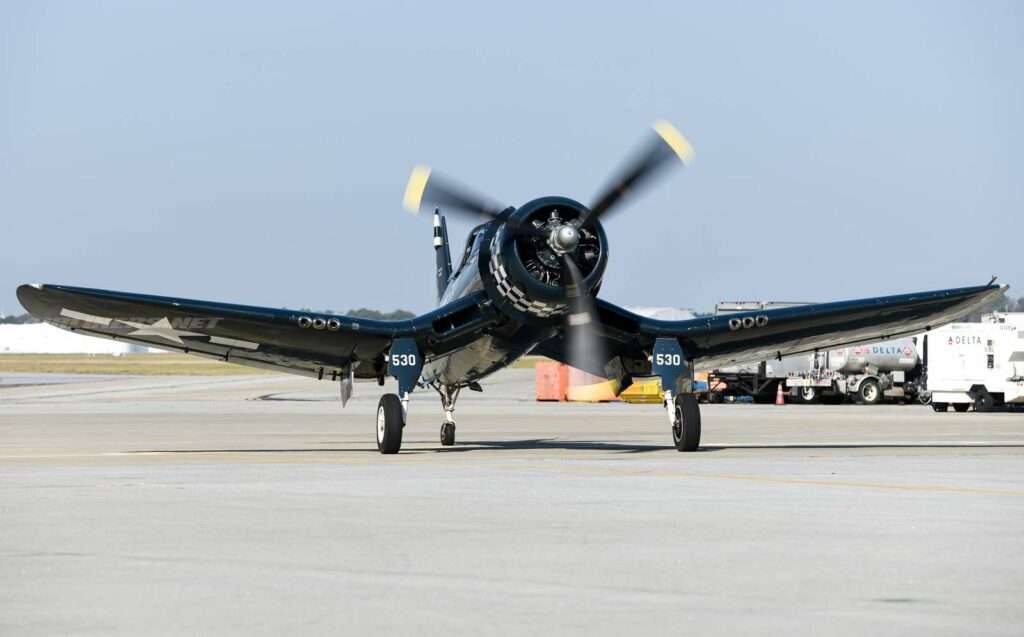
x=668, y=359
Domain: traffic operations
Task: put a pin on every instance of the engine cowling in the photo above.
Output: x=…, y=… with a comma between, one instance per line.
x=525, y=273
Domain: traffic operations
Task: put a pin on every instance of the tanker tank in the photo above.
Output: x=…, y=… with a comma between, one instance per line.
x=898, y=355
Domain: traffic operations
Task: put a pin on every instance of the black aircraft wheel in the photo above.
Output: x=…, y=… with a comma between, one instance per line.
x=448, y=434
x=389, y=424
x=961, y=407
x=870, y=393
x=686, y=424
x=940, y=406
x=983, y=400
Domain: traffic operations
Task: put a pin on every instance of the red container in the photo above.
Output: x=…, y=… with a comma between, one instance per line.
x=552, y=381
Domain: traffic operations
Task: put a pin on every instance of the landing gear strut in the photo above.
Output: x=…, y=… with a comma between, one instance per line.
x=405, y=364
x=669, y=362
x=449, y=394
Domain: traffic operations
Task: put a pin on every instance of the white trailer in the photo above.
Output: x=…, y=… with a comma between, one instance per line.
x=979, y=364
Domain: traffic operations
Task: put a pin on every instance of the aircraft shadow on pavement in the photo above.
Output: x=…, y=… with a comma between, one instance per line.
x=475, y=445
x=579, y=445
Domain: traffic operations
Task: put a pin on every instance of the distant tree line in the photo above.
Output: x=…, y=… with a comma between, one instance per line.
x=367, y=313
x=1001, y=304
x=21, y=319
x=396, y=315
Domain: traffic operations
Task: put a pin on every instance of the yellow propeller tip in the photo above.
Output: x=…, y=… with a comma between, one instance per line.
x=675, y=140
x=414, y=189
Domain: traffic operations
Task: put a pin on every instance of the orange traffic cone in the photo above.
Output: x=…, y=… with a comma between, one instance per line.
x=780, y=398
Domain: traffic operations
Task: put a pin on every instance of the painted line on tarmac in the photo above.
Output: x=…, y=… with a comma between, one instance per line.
x=272, y=457
x=726, y=476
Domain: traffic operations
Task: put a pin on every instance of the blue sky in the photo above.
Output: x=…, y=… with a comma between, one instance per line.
x=257, y=152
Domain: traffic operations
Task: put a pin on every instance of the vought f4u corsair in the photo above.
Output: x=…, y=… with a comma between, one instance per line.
x=526, y=283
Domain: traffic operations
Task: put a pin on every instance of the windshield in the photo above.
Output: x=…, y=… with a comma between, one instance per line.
x=473, y=242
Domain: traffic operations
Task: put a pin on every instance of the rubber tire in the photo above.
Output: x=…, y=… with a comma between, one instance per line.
x=686, y=428
x=961, y=407
x=447, y=434
x=389, y=424
x=803, y=398
x=983, y=401
x=940, y=406
x=872, y=396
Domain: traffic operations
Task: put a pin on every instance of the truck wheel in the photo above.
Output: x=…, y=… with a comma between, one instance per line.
x=961, y=407
x=808, y=395
x=870, y=393
x=940, y=406
x=983, y=400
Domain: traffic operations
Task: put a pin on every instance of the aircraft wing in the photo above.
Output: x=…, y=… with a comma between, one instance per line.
x=716, y=341
x=254, y=336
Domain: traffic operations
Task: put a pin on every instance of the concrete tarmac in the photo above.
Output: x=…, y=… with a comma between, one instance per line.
x=256, y=505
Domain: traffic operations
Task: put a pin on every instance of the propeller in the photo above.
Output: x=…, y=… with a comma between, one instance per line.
x=424, y=186
x=586, y=349
x=667, y=145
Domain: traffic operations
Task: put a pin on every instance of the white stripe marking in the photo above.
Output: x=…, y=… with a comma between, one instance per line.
x=230, y=342
x=82, y=316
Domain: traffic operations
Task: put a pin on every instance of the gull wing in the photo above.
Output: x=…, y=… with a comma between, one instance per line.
x=716, y=341
x=255, y=336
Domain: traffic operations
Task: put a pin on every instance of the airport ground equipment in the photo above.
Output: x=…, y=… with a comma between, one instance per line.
x=866, y=374
x=527, y=283
x=979, y=365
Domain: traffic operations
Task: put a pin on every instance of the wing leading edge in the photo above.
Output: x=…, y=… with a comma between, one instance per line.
x=254, y=336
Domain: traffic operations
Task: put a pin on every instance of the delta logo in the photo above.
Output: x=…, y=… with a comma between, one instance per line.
x=964, y=340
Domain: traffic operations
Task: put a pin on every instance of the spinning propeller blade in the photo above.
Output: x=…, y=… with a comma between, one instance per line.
x=586, y=350
x=667, y=145
x=425, y=186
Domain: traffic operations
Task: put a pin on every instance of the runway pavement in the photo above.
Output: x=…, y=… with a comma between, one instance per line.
x=255, y=505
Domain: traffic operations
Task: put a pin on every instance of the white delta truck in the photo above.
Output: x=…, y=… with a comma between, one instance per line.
x=866, y=374
x=976, y=364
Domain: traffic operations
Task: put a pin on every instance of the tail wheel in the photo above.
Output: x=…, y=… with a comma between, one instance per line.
x=870, y=393
x=686, y=423
x=390, y=421
x=448, y=433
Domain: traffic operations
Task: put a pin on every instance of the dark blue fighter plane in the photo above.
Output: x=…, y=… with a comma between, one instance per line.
x=526, y=283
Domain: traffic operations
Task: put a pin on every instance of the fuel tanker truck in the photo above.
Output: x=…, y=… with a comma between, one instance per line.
x=866, y=374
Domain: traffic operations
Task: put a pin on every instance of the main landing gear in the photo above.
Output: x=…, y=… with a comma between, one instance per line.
x=684, y=416
x=391, y=417
x=669, y=362
x=390, y=422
